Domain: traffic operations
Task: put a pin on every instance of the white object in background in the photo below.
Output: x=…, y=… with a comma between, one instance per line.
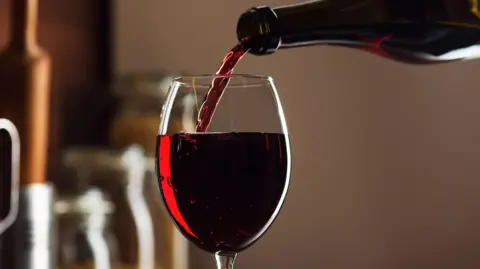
x=8, y=126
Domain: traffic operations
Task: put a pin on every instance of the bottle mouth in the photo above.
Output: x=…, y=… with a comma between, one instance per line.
x=258, y=29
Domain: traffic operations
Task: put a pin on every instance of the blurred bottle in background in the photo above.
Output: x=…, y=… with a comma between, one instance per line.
x=25, y=101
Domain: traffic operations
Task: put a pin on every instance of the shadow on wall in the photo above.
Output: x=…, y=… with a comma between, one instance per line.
x=385, y=155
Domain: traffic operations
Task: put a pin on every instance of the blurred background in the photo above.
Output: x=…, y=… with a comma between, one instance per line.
x=385, y=155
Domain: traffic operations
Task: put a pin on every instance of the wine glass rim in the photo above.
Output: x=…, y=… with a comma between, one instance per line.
x=205, y=80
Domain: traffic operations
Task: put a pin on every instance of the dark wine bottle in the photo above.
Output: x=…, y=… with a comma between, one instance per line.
x=412, y=31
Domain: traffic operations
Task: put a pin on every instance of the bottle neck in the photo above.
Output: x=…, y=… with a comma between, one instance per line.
x=23, y=24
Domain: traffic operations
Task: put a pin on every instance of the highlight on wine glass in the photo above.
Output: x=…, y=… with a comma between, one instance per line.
x=224, y=177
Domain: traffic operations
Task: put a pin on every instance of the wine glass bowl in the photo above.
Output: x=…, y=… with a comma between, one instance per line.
x=224, y=186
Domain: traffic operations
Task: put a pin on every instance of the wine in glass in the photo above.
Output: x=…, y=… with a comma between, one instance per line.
x=223, y=186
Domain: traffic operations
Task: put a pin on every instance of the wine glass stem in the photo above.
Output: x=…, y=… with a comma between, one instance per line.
x=225, y=260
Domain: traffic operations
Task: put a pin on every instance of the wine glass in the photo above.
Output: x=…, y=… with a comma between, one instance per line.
x=223, y=186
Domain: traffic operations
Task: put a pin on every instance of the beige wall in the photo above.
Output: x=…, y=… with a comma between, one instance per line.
x=385, y=156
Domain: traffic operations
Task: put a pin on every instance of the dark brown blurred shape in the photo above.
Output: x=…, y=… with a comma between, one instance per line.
x=25, y=89
x=5, y=172
x=76, y=35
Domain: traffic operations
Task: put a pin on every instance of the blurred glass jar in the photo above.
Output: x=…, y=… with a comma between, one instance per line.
x=141, y=97
x=147, y=238
x=86, y=240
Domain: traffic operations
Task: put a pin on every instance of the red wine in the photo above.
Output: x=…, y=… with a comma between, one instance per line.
x=219, y=84
x=410, y=31
x=223, y=190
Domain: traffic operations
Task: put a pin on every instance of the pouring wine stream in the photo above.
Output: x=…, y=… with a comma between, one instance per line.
x=214, y=94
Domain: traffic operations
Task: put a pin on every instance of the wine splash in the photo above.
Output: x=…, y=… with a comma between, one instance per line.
x=218, y=86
